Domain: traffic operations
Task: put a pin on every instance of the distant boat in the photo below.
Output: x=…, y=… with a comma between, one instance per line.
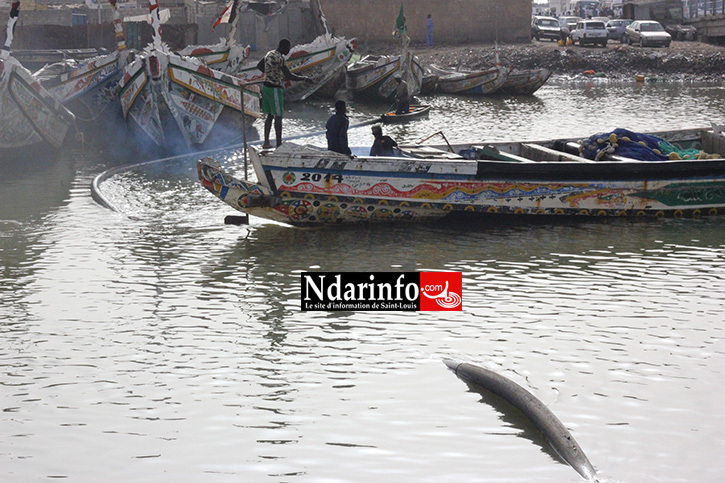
x=525, y=82
x=373, y=76
x=414, y=112
x=476, y=82
x=164, y=93
x=30, y=114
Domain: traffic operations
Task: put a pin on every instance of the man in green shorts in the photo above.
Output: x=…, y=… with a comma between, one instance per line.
x=275, y=70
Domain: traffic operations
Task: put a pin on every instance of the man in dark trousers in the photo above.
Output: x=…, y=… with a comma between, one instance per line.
x=275, y=70
x=402, y=96
x=383, y=145
x=337, y=129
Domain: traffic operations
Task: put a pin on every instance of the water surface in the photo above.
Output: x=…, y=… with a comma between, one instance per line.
x=158, y=344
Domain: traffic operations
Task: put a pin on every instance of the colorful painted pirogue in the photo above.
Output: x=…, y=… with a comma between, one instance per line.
x=164, y=93
x=322, y=60
x=304, y=185
x=30, y=114
x=89, y=86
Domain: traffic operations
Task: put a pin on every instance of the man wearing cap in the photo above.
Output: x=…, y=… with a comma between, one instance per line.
x=401, y=96
x=336, y=127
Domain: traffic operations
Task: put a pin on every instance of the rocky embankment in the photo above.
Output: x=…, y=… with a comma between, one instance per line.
x=692, y=61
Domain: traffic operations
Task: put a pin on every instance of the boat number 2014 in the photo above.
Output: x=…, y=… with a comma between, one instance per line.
x=329, y=177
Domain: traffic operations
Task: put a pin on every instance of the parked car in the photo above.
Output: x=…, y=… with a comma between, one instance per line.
x=567, y=24
x=589, y=32
x=681, y=32
x=545, y=28
x=601, y=19
x=616, y=27
x=647, y=32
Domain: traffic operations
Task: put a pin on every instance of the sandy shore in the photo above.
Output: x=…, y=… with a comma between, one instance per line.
x=693, y=61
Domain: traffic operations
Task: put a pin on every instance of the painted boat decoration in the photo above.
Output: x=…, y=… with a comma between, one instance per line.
x=30, y=114
x=414, y=112
x=227, y=55
x=164, y=93
x=479, y=82
x=323, y=60
x=304, y=185
x=95, y=78
x=525, y=82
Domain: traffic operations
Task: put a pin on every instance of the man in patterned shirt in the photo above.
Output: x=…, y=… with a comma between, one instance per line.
x=275, y=70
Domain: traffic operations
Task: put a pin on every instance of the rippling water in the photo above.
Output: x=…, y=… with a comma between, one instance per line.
x=157, y=344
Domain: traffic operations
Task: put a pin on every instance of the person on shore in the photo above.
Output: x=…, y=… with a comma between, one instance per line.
x=429, y=31
x=275, y=70
x=337, y=126
x=383, y=145
x=402, y=96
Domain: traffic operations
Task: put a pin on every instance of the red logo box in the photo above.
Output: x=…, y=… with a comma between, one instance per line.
x=441, y=291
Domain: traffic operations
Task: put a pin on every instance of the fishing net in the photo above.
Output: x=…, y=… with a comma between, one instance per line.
x=630, y=144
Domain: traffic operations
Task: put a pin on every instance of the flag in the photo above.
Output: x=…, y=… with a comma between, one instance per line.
x=228, y=14
x=400, y=23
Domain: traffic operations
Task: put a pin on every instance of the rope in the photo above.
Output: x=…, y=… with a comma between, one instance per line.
x=103, y=200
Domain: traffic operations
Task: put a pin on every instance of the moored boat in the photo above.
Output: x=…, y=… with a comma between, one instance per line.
x=304, y=185
x=478, y=82
x=88, y=86
x=165, y=93
x=322, y=60
x=30, y=114
x=524, y=82
x=414, y=112
x=373, y=76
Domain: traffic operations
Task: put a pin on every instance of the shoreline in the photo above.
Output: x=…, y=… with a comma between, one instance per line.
x=682, y=61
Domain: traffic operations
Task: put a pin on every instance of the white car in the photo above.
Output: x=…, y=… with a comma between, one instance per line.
x=589, y=32
x=647, y=32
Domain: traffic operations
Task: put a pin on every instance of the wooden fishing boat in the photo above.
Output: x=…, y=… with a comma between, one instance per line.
x=525, y=82
x=304, y=185
x=322, y=60
x=414, y=112
x=165, y=94
x=479, y=82
x=86, y=86
x=372, y=77
x=30, y=114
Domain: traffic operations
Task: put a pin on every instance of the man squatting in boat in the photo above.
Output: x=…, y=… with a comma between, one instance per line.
x=275, y=70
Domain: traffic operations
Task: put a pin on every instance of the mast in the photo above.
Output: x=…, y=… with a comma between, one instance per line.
x=323, y=19
x=118, y=27
x=14, y=12
x=156, y=24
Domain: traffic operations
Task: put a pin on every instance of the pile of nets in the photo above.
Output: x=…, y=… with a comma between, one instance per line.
x=643, y=147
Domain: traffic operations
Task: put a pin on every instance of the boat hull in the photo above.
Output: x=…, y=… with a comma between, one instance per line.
x=372, y=77
x=308, y=188
x=525, y=82
x=475, y=83
x=166, y=95
x=30, y=114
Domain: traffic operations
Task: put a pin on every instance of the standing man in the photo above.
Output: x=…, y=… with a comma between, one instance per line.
x=429, y=31
x=275, y=70
x=402, y=97
x=337, y=129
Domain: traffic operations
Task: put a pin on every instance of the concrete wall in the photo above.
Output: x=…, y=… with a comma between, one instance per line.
x=454, y=21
